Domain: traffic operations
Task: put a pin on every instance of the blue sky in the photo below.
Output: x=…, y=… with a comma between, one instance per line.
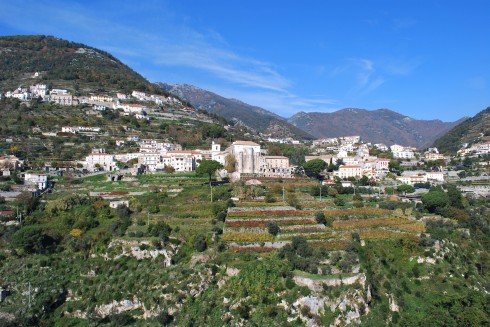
x=425, y=59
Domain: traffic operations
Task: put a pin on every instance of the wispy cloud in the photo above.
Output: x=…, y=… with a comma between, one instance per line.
x=255, y=81
x=363, y=73
x=287, y=104
x=402, y=23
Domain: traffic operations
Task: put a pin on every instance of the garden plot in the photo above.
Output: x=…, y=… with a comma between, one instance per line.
x=247, y=227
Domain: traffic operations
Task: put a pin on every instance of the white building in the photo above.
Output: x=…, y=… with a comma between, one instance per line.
x=275, y=166
x=139, y=95
x=131, y=108
x=350, y=139
x=101, y=98
x=412, y=179
x=325, y=141
x=381, y=147
x=247, y=156
x=40, y=181
x=96, y=161
x=349, y=171
x=69, y=129
x=435, y=176
x=182, y=160
x=150, y=159
x=121, y=96
x=39, y=90
x=62, y=97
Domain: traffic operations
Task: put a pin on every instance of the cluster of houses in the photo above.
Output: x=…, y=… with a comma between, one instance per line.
x=284, y=140
x=356, y=160
x=154, y=155
x=476, y=149
x=99, y=102
x=33, y=181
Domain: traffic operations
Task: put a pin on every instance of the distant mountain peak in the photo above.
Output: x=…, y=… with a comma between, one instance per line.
x=253, y=117
x=376, y=126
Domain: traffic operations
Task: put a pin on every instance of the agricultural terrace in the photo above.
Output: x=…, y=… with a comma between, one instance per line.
x=293, y=212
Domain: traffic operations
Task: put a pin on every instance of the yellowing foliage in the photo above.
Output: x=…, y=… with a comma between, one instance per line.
x=76, y=232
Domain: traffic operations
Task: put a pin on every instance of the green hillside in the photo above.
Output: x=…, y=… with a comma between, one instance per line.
x=472, y=130
x=65, y=64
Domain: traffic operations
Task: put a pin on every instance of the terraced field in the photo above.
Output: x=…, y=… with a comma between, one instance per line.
x=246, y=226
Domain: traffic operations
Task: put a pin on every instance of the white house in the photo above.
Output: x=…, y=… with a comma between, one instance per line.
x=382, y=164
x=139, y=95
x=39, y=90
x=121, y=96
x=69, y=129
x=412, y=179
x=132, y=108
x=275, y=166
x=182, y=160
x=349, y=171
x=40, y=181
x=350, y=139
x=101, y=98
x=435, y=176
x=150, y=159
x=94, y=161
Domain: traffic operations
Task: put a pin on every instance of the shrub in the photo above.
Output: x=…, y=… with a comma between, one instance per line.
x=123, y=212
x=200, y=244
x=269, y=198
x=293, y=201
x=320, y=218
x=31, y=239
x=273, y=229
x=164, y=318
x=357, y=197
x=122, y=319
x=218, y=207
x=221, y=216
x=332, y=192
x=230, y=203
x=160, y=229
x=339, y=202
x=357, y=204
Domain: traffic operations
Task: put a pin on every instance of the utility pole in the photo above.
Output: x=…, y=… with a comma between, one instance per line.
x=320, y=190
x=19, y=216
x=29, y=295
x=148, y=218
x=283, y=199
x=211, y=187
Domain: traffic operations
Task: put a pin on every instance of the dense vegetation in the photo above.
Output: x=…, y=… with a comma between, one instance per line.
x=85, y=260
x=472, y=130
x=65, y=64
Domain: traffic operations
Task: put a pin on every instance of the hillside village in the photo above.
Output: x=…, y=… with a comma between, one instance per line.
x=123, y=208
x=353, y=158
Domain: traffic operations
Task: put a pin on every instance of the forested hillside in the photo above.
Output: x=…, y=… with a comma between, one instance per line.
x=64, y=64
x=472, y=130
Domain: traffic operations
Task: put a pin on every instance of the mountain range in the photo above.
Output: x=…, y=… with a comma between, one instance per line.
x=375, y=126
x=82, y=69
x=255, y=118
